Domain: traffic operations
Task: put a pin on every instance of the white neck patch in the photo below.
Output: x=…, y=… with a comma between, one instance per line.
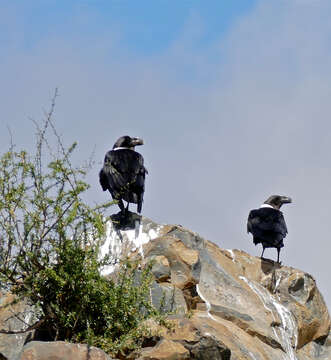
x=123, y=148
x=266, y=206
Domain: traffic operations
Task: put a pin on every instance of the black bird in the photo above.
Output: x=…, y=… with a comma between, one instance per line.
x=267, y=224
x=123, y=173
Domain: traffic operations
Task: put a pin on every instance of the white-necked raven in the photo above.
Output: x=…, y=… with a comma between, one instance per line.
x=267, y=224
x=123, y=172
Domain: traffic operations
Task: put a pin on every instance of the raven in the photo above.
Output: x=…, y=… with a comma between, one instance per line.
x=123, y=173
x=267, y=224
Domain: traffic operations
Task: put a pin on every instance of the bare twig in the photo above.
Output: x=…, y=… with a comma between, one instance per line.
x=57, y=221
x=12, y=145
x=36, y=325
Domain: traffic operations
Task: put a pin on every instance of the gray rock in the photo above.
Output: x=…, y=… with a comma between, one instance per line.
x=168, y=298
x=15, y=316
x=208, y=348
x=160, y=268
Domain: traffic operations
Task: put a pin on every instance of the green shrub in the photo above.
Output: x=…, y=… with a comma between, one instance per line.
x=49, y=250
x=83, y=306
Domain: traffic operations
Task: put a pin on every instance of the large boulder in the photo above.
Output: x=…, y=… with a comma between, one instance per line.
x=238, y=304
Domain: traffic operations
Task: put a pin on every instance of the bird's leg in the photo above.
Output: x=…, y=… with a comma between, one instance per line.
x=121, y=205
x=123, y=211
x=262, y=252
x=139, y=203
x=278, y=252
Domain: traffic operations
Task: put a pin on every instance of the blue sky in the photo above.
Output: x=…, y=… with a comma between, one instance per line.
x=232, y=98
x=146, y=27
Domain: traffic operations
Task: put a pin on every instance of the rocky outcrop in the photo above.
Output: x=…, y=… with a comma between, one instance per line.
x=238, y=306
x=226, y=304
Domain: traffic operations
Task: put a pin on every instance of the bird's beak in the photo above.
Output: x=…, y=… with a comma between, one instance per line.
x=286, y=200
x=137, y=141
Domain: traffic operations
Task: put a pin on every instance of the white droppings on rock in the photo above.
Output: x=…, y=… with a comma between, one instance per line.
x=138, y=242
x=153, y=234
x=208, y=304
x=289, y=329
x=264, y=299
x=233, y=256
x=252, y=355
x=287, y=333
x=118, y=243
x=278, y=282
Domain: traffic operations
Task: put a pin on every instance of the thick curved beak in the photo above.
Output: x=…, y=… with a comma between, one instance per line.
x=137, y=141
x=286, y=200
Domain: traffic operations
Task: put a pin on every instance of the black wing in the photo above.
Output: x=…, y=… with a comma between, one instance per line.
x=123, y=174
x=266, y=224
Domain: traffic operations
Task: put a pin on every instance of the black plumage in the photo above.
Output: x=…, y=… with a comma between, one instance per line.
x=267, y=224
x=123, y=173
